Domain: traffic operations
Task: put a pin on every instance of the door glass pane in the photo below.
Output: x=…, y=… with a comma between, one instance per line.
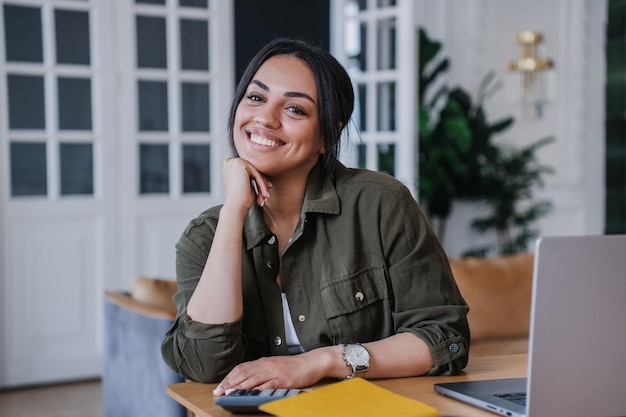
x=361, y=101
x=26, y=102
x=615, y=119
x=153, y=106
x=194, y=3
x=386, y=106
x=386, y=3
x=195, y=107
x=355, y=38
x=194, y=44
x=615, y=136
x=361, y=158
x=196, y=168
x=28, y=169
x=615, y=211
x=76, y=168
x=616, y=24
x=615, y=85
x=356, y=48
x=151, y=43
x=74, y=103
x=154, y=167
x=72, y=37
x=615, y=173
x=386, y=36
x=22, y=33
x=387, y=158
x=361, y=4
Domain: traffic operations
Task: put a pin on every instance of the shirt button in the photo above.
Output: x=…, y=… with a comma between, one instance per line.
x=301, y=317
x=359, y=296
x=454, y=348
x=278, y=341
x=269, y=264
x=271, y=240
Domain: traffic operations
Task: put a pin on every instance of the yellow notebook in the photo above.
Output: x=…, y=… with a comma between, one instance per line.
x=355, y=397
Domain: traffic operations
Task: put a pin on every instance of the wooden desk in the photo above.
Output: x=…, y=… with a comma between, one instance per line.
x=198, y=398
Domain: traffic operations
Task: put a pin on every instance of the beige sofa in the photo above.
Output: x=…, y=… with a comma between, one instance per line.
x=498, y=291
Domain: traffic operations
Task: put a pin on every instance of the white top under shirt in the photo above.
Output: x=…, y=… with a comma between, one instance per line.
x=293, y=344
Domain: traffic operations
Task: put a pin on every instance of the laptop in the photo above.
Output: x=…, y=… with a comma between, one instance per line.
x=577, y=344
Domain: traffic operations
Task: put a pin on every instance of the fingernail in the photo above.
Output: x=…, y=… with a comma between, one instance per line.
x=263, y=202
x=229, y=390
x=217, y=390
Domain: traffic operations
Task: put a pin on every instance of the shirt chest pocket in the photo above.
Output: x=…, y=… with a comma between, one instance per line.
x=357, y=307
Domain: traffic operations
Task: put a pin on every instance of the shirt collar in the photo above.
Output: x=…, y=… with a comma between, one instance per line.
x=320, y=197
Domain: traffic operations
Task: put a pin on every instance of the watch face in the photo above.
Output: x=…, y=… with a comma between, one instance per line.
x=358, y=355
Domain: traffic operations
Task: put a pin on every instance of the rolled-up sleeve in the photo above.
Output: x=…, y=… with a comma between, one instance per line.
x=202, y=352
x=427, y=301
x=198, y=351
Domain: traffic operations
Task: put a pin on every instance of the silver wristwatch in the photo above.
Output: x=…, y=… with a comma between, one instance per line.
x=357, y=358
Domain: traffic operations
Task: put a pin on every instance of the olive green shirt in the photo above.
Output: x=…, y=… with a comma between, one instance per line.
x=363, y=264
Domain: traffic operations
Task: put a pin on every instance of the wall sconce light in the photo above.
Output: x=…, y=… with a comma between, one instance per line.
x=530, y=68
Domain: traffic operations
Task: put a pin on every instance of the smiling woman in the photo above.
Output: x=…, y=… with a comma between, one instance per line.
x=309, y=269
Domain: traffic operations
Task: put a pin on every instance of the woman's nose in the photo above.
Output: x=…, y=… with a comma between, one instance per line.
x=267, y=116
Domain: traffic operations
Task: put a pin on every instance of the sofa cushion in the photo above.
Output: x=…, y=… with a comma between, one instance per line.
x=498, y=291
x=156, y=293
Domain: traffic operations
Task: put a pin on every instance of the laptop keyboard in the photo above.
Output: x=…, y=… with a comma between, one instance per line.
x=516, y=397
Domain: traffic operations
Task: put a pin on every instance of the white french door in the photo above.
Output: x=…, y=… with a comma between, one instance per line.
x=111, y=137
x=55, y=215
x=178, y=71
x=375, y=41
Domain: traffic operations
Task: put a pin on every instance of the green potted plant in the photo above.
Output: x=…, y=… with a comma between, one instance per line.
x=507, y=182
x=459, y=161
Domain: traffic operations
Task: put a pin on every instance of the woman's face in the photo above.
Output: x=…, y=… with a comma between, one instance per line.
x=276, y=126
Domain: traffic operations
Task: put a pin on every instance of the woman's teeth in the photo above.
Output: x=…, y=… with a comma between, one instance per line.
x=263, y=141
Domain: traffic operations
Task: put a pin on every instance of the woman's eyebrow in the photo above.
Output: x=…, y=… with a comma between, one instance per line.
x=297, y=94
x=260, y=84
x=264, y=87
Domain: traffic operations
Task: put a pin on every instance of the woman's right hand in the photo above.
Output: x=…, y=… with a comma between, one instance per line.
x=244, y=185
